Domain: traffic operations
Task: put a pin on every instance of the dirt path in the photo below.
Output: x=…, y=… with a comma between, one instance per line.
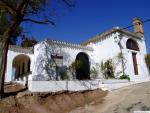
x=124, y=100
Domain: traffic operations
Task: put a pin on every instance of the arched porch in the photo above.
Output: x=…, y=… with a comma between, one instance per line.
x=21, y=66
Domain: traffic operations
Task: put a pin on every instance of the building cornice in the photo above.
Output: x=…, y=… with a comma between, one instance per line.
x=19, y=49
x=69, y=45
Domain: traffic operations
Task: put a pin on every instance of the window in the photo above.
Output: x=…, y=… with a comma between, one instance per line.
x=57, y=60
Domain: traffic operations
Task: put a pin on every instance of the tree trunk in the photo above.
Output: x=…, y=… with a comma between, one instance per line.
x=4, y=51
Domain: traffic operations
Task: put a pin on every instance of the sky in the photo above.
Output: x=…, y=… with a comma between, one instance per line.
x=91, y=17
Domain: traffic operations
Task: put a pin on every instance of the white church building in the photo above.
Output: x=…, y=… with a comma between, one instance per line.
x=49, y=59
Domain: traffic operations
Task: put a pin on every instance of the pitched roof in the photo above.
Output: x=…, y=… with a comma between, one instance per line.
x=104, y=34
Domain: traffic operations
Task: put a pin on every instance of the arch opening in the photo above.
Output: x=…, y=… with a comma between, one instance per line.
x=82, y=66
x=131, y=44
x=21, y=66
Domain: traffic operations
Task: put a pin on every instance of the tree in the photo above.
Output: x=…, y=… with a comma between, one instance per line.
x=28, y=42
x=4, y=24
x=16, y=12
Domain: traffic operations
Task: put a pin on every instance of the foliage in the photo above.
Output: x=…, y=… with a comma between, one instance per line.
x=107, y=69
x=72, y=69
x=78, y=64
x=125, y=77
x=93, y=72
x=28, y=42
x=147, y=60
x=73, y=65
x=4, y=24
x=65, y=76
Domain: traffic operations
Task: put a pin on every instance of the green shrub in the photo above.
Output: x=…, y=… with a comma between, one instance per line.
x=93, y=72
x=107, y=69
x=125, y=77
x=64, y=76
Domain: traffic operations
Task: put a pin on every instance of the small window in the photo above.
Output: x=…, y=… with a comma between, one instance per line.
x=57, y=60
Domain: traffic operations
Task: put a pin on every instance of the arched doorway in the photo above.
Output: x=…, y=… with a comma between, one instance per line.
x=82, y=66
x=132, y=45
x=21, y=66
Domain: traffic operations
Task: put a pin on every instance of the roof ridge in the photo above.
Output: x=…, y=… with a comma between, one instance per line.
x=103, y=34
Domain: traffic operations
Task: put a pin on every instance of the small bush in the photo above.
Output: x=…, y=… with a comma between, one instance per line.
x=125, y=77
x=108, y=69
x=93, y=73
x=64, y=76
x=62, y=72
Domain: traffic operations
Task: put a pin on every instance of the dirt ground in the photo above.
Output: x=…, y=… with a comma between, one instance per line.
x=124, y=100
x=19, y=100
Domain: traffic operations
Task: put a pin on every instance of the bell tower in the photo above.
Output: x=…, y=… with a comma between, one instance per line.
x=138, y=27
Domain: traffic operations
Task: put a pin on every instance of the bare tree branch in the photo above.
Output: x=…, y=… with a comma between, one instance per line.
x=39, y=22
x=22, y=7
x=69, y=3
x=6, y=6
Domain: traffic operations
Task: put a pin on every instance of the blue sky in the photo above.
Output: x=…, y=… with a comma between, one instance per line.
x=91, y=17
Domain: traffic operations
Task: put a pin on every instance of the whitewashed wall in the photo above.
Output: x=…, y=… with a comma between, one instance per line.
x=105, y=49
x=108, y=48
x=55, y=86
x=42, y=56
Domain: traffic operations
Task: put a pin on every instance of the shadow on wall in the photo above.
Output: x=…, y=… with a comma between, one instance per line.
x=75, y=85
x=49, y=63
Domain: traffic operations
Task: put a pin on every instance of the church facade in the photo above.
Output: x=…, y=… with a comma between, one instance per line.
x=55, y=60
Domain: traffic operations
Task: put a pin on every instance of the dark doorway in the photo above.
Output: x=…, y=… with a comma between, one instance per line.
x=29, y=62
x=23, y=69
x=82, y=66
x=135, y=63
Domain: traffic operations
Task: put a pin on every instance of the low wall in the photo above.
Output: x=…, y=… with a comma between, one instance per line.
x=54, y=86
x=119, y=84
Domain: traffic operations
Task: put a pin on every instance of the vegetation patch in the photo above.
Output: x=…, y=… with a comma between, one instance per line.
x=125, y=77
x=107, y=68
